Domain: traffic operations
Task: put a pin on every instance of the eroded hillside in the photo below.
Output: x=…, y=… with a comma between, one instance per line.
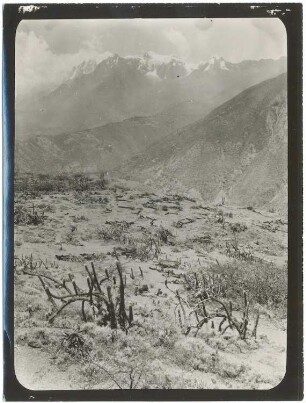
x=239, y=151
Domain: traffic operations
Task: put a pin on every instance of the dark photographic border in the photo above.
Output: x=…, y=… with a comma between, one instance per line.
x=291, y=387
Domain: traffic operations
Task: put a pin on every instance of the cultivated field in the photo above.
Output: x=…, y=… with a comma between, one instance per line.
x=120, y=286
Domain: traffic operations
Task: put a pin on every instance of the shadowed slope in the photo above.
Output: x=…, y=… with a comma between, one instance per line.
x=240, y=149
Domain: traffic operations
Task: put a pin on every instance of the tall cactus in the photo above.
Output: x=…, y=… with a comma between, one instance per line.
x=131, y=316
x=111, y=308
x=95, y=277
x=100, y=301
x=122, y=313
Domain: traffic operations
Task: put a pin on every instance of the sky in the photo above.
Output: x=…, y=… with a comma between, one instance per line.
x=47, y=50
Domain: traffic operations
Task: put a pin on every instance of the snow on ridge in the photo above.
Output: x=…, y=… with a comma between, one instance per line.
x=104, y=56
x=216, y=61
x=190, y=67
x=153, y=74
x=132, y=57
x=157, y=58
x=147, y=63
x=87, y=66
x=223, y=65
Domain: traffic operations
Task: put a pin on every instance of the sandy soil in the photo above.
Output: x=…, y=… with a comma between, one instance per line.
x=72, y=227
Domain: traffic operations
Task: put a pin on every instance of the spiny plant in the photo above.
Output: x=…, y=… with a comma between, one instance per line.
x=233, y=249
x=205, y=307
x=105, y=310
x=29, y=263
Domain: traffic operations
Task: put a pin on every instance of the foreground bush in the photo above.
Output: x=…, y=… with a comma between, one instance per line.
x=265, y=283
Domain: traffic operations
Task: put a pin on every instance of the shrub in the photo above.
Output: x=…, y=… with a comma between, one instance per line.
x=115, y=231
x=265, y=283
x=28, y=216
x=58, y=183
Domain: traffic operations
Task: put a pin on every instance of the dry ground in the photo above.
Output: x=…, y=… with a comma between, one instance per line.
x=79, y=228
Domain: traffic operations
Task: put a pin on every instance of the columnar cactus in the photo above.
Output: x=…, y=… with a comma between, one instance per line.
x=111, y=309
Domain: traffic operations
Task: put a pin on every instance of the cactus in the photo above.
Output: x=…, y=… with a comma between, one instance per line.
x=122, y=313
x=204, y=310
x=83, y=311
x=132, y=274
x=107, y=274
x=230, y=307
x=254, y=332
x=89, y=274
x=180, y=319
x=188, y=283
x=131, y=317
x=111, y=309
x=94, y=295
x=50, y=297
x=245, y=316
x=204, y=281
x=42, y=282
x=141, y=272
x=75, y=287
x=181, y=305
x=196, y=316
x=95, y=277
x=221, y=323
x=65, y=286
x=89, y=284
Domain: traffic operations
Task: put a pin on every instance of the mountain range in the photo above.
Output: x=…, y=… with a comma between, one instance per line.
x=118, y=88
x=238, y=151
x=217, y=128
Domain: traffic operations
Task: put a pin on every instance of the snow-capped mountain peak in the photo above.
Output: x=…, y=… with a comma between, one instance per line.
x=153, y=65
x=113, y=59
x=158, y=59
x=88, y=66
x=167, y=66
x=216, y=62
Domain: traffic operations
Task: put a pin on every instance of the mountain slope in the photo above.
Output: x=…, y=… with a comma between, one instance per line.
x=239, y=149
x=101, y=148
x=119, y=88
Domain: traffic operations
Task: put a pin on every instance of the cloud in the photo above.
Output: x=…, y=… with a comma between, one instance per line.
x=47, y=50
x=178, y=40
x=239, y=39
x=39, y=69
x=61, y=36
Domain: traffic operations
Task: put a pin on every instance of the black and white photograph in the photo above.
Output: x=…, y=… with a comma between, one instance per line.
x=150, y=203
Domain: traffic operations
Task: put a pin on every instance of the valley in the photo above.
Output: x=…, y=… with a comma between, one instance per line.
x=139, y=86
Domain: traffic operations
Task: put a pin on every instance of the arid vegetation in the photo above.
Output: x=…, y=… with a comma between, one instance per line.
x=118, y=286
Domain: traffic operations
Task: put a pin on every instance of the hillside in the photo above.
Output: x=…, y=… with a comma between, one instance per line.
x=164, y=252
x=101, y=148
x=238, y=151
x=119, y=88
